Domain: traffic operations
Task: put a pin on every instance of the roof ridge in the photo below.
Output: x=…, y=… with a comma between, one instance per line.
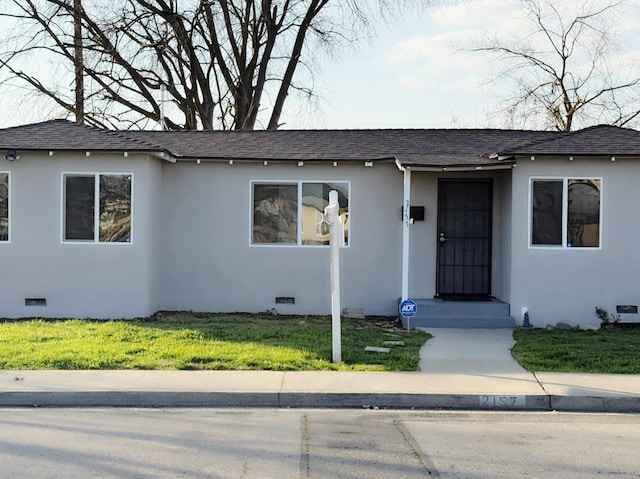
x=604, y=125
x=328, y=130
x=38, y=124
x=124, y=134
x=533, y=142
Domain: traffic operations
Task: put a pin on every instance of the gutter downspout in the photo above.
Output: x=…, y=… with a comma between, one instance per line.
x=406, y=223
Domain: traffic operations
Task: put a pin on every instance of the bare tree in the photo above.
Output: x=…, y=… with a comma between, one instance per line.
x=78, y=60
x=227, y=64
x=563, y=70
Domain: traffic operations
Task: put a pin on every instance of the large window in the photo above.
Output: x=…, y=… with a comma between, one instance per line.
x=566, y=212
x=293, y=213
x=4, y=207
x=107, y=194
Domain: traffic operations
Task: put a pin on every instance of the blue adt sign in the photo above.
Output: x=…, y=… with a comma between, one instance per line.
x=408, y=308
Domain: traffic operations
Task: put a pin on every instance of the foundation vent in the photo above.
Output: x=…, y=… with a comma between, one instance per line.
x=627, y=309
x=285, y=300
x=35, y=301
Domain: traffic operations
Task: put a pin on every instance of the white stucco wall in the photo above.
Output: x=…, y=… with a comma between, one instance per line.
x=423, y=236
x=77, y=280
x=567, y=284
x=209, y=264
x=192, y=250
x=502, y=230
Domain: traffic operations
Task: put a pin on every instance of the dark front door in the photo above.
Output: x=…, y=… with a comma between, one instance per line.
x=464, y=238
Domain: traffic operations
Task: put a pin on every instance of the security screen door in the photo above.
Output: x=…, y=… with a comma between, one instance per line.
x=464, y=238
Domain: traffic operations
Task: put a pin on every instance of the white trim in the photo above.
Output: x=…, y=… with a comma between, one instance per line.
x=456, y=169
x=96, y=205
x=298, y=184
x=299, y=231
x=565, y=213
x=9, y=207
x=406, y=229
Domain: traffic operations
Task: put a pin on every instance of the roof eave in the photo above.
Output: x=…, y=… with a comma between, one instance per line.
x=160, y=154
x=575, y=156
x=280, y=160
x=485, y=167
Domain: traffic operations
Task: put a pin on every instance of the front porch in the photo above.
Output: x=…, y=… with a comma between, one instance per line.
x=457, y=261
x=491, y=313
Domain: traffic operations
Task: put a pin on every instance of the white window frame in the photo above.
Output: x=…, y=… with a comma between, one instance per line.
x=96, y=205
x=8, y=240
x=298, y=184
x=565, y=212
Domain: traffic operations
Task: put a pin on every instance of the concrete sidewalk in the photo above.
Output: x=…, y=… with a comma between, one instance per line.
x=500, y=391
x=461, y=369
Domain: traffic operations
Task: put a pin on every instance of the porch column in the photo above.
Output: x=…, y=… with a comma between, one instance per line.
x=406, y=223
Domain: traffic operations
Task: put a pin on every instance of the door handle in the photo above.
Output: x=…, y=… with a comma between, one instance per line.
x=442, y=238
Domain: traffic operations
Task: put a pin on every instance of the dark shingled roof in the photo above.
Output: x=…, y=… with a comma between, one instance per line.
x=67, y=135
x=601, y=140
x=410, y=147
x=413, y=148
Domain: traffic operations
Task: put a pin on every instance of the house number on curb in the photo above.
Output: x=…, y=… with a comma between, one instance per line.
x=502, y=401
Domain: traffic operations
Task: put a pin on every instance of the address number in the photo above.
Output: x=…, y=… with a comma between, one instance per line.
x=502, y=401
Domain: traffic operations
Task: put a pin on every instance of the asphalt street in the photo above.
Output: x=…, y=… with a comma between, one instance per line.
x=313, y=443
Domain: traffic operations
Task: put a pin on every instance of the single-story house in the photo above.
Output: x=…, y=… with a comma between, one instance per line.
x=121, y=224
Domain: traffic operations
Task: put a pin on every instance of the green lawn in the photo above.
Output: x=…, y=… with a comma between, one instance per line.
x=205, y=341
x=282, y=343
x=602, y=351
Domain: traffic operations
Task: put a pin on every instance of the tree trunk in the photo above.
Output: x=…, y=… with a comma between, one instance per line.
x=78, y=60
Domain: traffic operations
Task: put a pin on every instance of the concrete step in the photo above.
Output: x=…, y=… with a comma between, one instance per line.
x=439, y=313
x=464, y=322
x=435, y=306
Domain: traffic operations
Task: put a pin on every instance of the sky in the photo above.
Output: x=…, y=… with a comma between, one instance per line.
x=415, y=73
x=420, y=74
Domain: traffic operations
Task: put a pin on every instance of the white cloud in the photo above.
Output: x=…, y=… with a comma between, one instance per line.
x=418, y=48
x=414, y=82
x=451, y=31
x=470, y=14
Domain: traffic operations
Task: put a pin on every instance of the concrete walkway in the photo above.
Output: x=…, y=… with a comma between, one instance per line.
x=460, y=369
x=469, y=351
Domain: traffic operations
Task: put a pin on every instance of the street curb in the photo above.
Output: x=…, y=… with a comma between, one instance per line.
x=174, y=399
x=600, y=404
x=416, y=401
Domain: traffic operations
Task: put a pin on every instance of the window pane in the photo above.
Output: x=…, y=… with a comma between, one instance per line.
x=79, y=194
x=315, y=197
x=4, y=206
x=583, y=228
x=315, y=228
x=275, y=214
x=547, y=213
x=115, y=208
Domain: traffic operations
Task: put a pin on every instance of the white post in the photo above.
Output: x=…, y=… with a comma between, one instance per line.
x=406, y=223
x=332, y=211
